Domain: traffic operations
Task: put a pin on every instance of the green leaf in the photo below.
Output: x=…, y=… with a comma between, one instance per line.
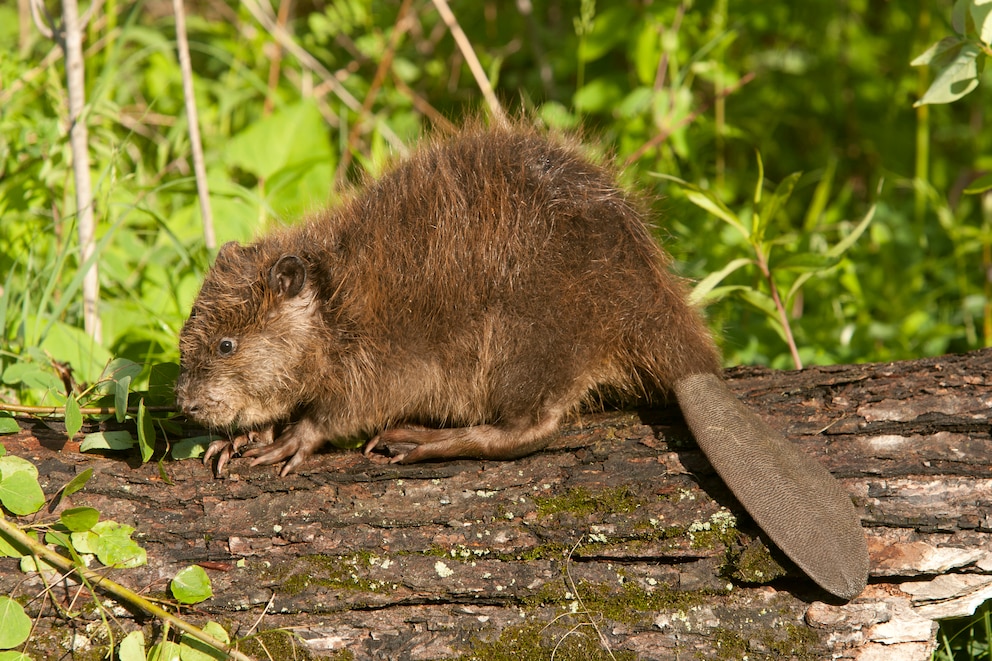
x=981, y=14
x=610, y=27
x=73, y=416
x=162, y=384
x=293, y=134
x=119, y=368
x=771, y=205
x=15, y=625
x=11, y=549
x=8, y=425
x=197, y=650
x=164, y=651
x=19, y=489
x=191, y=585
x=80, y=519
x=802, y=262
x=598, y=95
x=122, y=387
x=31, y=375
x=979, y=185
x=191, y=448
x=957, y=73
x=14, y=656
x=107, y=440
x=112, y=544
x=709, y=202
x=844, y=244
x=78, y=482
x=703, y=288
x=132, y=648
x=146, y=432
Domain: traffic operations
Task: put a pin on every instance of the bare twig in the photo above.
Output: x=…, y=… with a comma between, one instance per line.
x=473, y=62
x=79, y=143
x=182, y=45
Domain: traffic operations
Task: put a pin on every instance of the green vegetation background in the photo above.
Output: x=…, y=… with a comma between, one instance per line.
x=695, y=90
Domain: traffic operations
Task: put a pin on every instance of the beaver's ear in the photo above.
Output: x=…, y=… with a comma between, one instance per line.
x=288, y=276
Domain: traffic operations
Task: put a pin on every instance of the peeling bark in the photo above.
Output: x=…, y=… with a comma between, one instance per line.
x=620, y=524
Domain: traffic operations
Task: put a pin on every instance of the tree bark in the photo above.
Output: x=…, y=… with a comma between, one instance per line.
x=618, y=541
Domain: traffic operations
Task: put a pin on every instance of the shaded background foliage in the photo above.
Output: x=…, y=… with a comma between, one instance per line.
x=693, y=89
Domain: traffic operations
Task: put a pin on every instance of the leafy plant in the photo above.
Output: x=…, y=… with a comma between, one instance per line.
x=63, y=546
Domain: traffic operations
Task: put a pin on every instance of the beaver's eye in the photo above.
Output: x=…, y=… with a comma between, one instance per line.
x=227, y=346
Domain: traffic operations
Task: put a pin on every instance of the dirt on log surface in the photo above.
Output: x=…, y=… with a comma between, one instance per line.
x=618, y=541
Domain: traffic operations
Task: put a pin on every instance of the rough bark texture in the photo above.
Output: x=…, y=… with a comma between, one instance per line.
x=618, y=540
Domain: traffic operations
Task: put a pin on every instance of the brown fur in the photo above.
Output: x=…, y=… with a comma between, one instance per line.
x=463, y=304
x=491, y=278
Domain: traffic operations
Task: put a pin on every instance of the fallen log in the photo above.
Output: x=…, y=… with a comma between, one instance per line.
x=618, y=541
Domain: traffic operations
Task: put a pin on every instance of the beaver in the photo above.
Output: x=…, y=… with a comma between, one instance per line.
x=464, y=303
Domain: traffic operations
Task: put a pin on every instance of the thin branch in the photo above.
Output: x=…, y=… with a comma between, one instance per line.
x=79, y=142
x=91, y=410
x=465, y=46
x=182, y=45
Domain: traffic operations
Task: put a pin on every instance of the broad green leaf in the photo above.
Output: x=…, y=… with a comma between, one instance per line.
x=981, y=14
x=979, y=185
x=132, y=648
x=78, y=482
x=15, y=625
x=118, y=368
x=112, y=544
x=72, y=345
x=146, y=432
x=937, y=51
x=19, y=489
x=191, y=585
x=703, y=288
x=73, y=417
x=165, y=651
x=80, y=519
x=122, y=388
x=31, y=375
x=598, y=95
x=33, y=564
x=290, y=135
x=14, y=656
x=957, y=75
x=107, y=440
x=191, y=448
x=196, y=650
x=11, y=549
x=8, y=425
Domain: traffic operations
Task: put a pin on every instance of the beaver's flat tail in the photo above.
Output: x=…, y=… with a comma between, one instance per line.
x=794, y=499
